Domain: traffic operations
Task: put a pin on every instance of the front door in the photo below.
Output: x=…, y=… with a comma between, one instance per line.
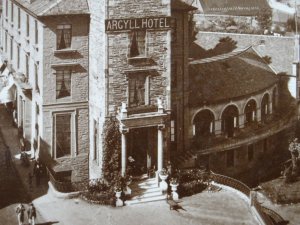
x=142, y=146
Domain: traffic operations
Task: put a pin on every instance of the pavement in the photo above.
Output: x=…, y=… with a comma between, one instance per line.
x=207, y=208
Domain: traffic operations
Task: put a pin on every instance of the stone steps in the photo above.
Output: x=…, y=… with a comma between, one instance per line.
x=145, y=200
x=145, y=190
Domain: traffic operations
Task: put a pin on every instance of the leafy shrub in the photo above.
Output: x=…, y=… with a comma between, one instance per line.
x=191, y=181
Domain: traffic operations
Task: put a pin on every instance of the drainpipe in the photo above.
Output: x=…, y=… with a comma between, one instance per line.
x=106, y=64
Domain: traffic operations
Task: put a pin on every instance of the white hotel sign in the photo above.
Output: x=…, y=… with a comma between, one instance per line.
x=138, y=23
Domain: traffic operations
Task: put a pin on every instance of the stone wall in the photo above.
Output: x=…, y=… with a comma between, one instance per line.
x=77, y=103
x=79, y=77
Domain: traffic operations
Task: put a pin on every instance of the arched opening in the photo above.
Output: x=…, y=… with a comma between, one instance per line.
x=274, y=99
x=265, y=107
x=250, y=112
x=204, y=123
x=230, y=120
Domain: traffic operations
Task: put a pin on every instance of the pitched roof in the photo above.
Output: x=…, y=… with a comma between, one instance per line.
x=54, y=7
x=233, y=7
x=180, y=5
x=228, y=76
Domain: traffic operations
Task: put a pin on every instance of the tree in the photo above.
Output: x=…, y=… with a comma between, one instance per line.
x=225, y=45
x=264, y=19
x=267, y=59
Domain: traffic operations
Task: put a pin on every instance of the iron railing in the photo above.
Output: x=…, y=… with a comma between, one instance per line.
x=243, y=188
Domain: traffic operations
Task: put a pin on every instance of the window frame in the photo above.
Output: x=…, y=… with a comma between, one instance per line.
x=18, y=55
x=57, y=74
x=58, y=37
x=130, y=37
x=36, y=36
x=19, y=18
x=146, y=89
x=6, y=8
x=72, y=133
x=27, y=65
x=11, y=12
x=11, y=48
x=36, y=76
x=27, y=25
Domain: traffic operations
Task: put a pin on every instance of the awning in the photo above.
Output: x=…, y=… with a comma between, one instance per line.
x=7, y=93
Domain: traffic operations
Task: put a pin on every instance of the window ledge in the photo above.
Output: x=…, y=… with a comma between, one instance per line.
x=140, y=61
x=59, y=65
x=141, y=109
x=65, y=51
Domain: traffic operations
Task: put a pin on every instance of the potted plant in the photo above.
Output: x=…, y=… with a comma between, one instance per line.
x=174, y=184
x=163, y=174
x=118, y=191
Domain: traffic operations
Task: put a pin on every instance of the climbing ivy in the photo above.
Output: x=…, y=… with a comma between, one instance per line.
x=111, y=165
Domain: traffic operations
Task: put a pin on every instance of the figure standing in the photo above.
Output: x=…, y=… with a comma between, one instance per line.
x=22, y=144
x=20, y=213
x=31, y=212
x=37, y=172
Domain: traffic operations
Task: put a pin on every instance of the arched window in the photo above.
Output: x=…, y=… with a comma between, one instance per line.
x=230, y=120
x=265, y=107
x=250, y=112
x=204, y=123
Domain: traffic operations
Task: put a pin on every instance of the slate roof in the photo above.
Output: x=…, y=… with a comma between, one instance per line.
x=233, y=7
x=228, y=76
x=54, y=7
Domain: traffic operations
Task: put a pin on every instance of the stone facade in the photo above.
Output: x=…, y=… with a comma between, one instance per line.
x=34, y=54
x=111, y=68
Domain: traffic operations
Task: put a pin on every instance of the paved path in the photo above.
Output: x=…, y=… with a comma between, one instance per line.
x=219, y=208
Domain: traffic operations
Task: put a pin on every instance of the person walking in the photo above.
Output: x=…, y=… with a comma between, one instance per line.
x=20, y=213
x=31, y=212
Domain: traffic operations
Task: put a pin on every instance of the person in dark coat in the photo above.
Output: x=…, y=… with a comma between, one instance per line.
x=37, y=171
x=20, y=213
x=31, y=212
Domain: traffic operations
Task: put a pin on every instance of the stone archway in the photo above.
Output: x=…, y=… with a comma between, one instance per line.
x=204, y=123
x=230, y=120
x=250, y=112
x=265, y=108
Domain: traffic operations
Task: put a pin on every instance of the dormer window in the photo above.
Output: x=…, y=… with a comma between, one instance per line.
x=64, y=36
x=137, y=44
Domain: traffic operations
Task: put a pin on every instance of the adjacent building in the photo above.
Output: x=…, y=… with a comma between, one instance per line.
x=236, y=110
x=45, y=44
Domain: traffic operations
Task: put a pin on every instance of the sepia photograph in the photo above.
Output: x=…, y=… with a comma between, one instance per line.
x=149, y=112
